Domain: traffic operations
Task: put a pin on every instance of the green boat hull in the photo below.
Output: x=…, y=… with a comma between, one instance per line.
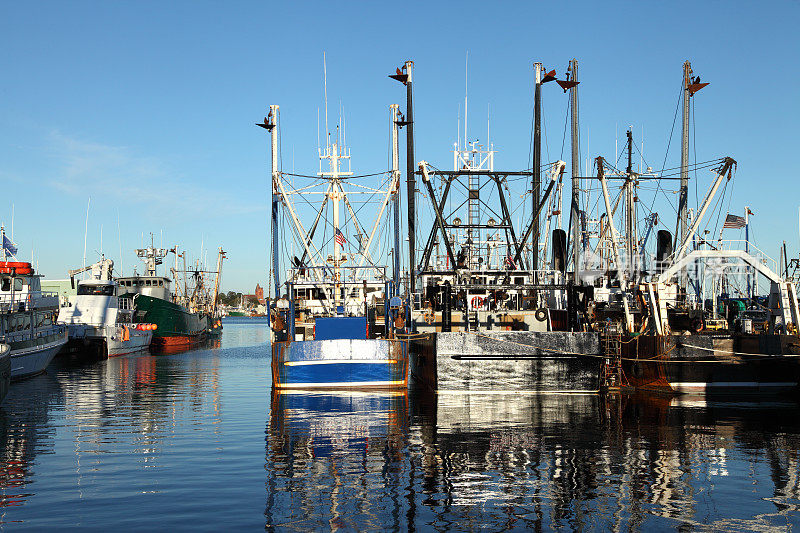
x=174, y=323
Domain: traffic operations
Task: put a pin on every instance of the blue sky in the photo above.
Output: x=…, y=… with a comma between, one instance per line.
x=148, y=107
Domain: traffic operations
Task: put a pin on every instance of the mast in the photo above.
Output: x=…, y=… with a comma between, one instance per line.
x=404, y=77
x=396, y=198
x=630, y=206
x=410, y=181
x=683, y=220
x=333, y=151
x=574, y=214
x=536, y=182
x=220, y=257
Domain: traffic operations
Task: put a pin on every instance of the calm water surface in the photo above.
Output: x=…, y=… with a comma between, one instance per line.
x=197, y=441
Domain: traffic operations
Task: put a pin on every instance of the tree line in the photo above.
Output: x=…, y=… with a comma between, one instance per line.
x=233, y=299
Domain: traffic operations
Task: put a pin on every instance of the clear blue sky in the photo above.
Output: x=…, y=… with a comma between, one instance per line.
x=148, y=107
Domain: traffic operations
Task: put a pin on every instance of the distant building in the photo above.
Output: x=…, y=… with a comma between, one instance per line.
x=258, y=296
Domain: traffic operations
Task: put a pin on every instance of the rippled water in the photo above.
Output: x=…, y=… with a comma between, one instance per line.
x=197, y=441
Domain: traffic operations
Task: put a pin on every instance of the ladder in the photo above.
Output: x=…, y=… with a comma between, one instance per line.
x=611, y=372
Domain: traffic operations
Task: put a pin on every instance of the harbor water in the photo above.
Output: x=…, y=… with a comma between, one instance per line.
x=197, y=440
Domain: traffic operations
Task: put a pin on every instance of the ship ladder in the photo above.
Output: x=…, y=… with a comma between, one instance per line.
x=611, y=371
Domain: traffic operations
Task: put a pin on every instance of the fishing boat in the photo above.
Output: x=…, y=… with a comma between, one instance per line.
x=27, y=317
x=101, y=323
x=177, y=325
x=337, y=321
x=534, y=307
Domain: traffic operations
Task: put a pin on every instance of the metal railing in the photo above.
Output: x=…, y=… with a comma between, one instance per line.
x=26, y=301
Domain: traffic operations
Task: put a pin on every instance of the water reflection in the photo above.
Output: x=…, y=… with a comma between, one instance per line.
x=99, y=413
x=335, y=460
x=22, y=438
x=519, y=462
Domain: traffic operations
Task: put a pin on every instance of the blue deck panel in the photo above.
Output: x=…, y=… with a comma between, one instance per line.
x=340, y=327
x=342, y=363
x=343, y=373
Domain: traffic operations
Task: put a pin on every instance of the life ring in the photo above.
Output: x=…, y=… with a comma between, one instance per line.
x=477, y=302
x=697, y=324
x=541, y=314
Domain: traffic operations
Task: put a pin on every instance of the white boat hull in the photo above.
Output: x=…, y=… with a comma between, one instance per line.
x=137, y=341
x=32, y=360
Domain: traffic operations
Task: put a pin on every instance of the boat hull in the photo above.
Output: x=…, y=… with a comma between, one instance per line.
x=340, y=364
x=508, y=361
x=5, y=371
x=714, y=364
x=117, y=343
x=177, y=327
x=104, y=342
x=31, y=357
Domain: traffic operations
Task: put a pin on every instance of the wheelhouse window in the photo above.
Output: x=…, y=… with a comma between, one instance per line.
x=95, y=290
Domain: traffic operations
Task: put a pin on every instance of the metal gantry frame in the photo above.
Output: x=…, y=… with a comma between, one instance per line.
x=441, y=225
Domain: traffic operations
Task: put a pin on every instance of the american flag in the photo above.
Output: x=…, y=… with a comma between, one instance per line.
x=734, y=222
x=339, y=237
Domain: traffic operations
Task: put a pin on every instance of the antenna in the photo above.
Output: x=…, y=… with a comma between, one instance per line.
x=86, y=231
x=466, y=64
x=119, y=238
x=488, y=110
x=12, y=224
x=325, y=85
x=458, y=134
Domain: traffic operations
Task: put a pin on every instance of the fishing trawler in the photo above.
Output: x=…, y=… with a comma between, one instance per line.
x=338, y=320
x=27, y=317
x=177, y=325
x=101, y=323
x=605, y=313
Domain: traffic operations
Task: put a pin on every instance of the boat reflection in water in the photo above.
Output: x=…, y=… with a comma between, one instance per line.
x=69, y=427
x=21, y=438
x=351, y=443
x=529, y=461
x=597, y=462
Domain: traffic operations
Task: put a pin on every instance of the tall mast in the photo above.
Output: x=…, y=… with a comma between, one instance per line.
x=396, y=198
x=273, y=113
x=683, y=220
x=335, y=194
x=536, y=183
x=574, y=214
x=630, y=206
x=220, y=257
x=410, y=181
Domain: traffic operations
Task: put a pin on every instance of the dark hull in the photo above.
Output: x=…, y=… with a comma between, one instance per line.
x=552, y=362
x=713, y=364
